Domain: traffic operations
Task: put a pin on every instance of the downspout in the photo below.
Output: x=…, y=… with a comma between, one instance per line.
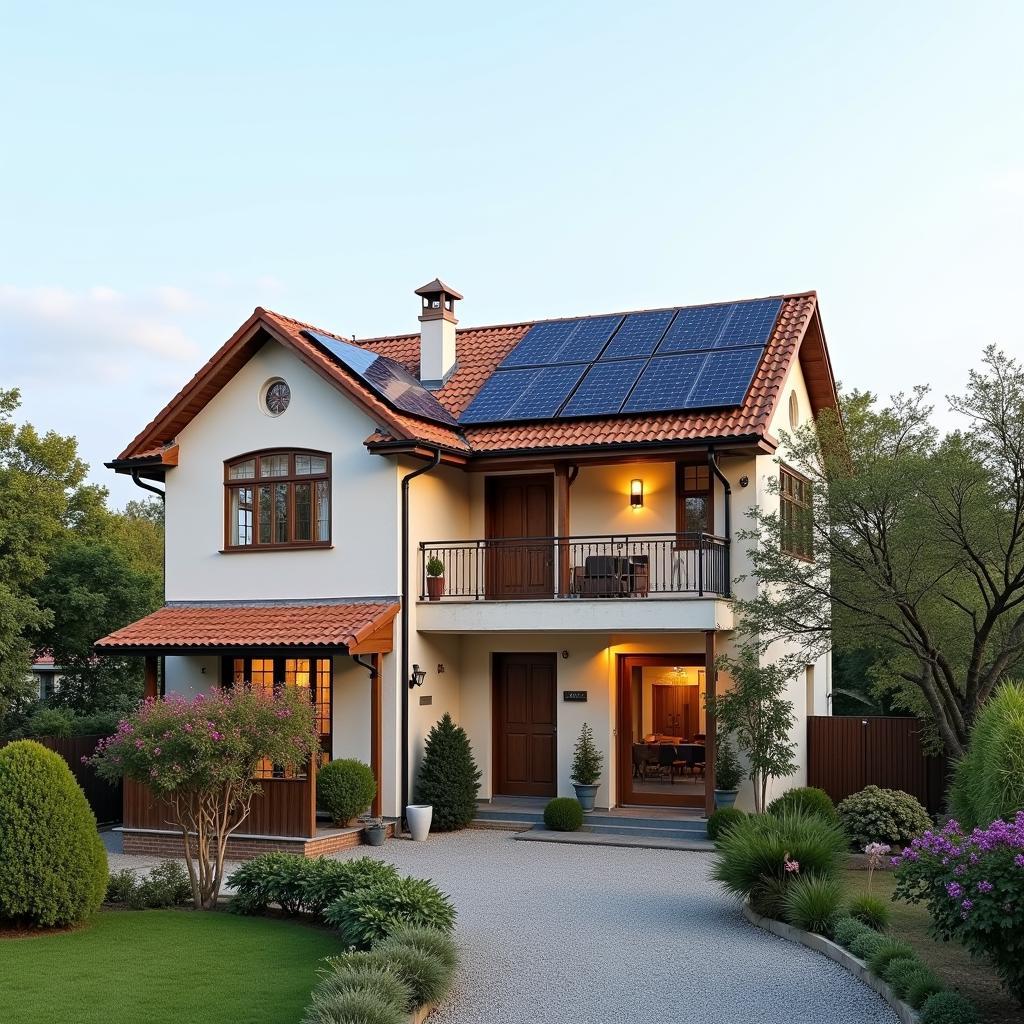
x=404, y=683
x=364, y=664
x=713, y=464
x=137, y=480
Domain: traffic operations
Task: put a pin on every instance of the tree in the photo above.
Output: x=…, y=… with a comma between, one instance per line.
x=449, y=779
x=757, y=714
x=201, y=756
x=918, y=544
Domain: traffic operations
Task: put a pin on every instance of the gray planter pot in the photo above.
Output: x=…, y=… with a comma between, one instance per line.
x=725, y=797
x=375, y=836
x=585, y=795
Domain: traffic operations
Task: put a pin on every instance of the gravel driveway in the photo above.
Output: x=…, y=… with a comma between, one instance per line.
x=558, y=933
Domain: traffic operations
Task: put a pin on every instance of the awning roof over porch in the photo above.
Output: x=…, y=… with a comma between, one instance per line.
x=361, y=627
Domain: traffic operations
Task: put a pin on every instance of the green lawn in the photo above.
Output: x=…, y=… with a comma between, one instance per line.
x=163, y=967
x=950, y=961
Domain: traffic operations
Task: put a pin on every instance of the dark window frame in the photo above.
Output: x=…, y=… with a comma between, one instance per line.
x=683, y=492
x=796, y=514
x=290, y=480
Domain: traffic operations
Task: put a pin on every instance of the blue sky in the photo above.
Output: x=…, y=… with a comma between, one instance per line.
x=166, y=168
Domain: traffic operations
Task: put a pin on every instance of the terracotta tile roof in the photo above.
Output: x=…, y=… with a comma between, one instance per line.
x=216, y=626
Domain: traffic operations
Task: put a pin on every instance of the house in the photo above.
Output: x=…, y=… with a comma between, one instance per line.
x=46, y=675
x=529, y=525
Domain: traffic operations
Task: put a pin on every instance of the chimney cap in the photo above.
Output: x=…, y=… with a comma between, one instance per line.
x=435, y=287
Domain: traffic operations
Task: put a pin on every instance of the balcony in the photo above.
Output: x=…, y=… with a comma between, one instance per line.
x=592, y=568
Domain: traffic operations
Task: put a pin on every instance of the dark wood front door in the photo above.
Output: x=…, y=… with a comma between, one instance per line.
x=520, y=507
x=524, y=725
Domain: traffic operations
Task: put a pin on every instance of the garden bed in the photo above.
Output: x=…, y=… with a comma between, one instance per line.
x=164, y=967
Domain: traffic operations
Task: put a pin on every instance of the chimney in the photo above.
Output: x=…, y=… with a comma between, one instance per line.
x=437, y=333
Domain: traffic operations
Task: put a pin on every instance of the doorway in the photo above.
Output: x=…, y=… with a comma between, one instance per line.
x=519, y=507
x=661, y=729
x=525, y=732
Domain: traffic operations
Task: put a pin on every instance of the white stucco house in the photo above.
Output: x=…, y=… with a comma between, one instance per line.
x=577, y=485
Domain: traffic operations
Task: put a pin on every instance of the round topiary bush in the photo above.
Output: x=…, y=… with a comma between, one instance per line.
x=948, y=1008
x=345, y=788
x=877, y=815
x=53, y=865
x=563, y=814
x=808, y=799
x=722, y=819
x=448, y=779
x=846, y=929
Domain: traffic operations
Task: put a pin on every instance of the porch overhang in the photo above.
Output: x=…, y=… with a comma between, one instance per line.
x=353, y=626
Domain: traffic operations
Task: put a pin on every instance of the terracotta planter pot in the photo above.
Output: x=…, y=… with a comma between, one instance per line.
x=435, y=587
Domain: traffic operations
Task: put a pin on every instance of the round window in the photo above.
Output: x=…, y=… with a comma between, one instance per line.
x=276, y=397
x=794, y=410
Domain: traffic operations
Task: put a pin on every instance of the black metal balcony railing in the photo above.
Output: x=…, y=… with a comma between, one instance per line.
x=577, y=567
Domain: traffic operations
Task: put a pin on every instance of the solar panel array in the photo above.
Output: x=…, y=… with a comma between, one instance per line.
x=697, y=357
x=391, y=381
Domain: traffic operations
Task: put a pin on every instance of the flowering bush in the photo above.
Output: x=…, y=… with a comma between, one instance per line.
x=973, y=885
x=876, y=815
x=201, y=756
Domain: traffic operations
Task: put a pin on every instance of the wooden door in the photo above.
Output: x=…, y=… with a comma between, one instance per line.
x=667, y=710
x=524, y=725
x=518, y=507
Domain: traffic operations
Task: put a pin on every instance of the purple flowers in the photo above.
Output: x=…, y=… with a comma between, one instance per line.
x=985, y=886
x=955, y=890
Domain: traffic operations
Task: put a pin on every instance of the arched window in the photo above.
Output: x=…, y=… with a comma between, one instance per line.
x=277, y=499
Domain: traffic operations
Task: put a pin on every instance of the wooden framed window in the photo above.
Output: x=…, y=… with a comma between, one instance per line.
x=796, y=514
x=311, y=673
x=695, y=502
x=277, y=499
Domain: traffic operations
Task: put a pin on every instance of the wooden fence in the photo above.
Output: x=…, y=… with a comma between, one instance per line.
x=845, y=754
x=104, y=797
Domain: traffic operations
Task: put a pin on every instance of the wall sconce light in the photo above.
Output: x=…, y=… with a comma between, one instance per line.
x=418, y=675
x=440, y=668
x=744, y=481
x=636, y=494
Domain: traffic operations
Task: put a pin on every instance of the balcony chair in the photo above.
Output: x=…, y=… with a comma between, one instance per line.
x=602, y=576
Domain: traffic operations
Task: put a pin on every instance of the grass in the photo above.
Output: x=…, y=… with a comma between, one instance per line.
x=950, y=961
x=163, y=967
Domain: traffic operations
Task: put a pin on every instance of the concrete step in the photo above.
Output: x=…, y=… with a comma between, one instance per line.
x=601, y=823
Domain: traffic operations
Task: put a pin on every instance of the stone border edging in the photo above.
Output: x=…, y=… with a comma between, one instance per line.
x=906, y=1013
x=420, y=1015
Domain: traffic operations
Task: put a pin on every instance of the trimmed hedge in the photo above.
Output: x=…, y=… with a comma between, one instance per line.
x=948, y=1008
x=723, y=818
x=345, y=788
x=846, y=929
x=53, y=865
x=563, y=814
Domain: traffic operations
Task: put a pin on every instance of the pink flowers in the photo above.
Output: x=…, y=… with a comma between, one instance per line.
x=792, y=866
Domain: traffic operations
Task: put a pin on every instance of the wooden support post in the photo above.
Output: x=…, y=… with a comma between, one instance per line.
x=150, y=690
x=375, y=729
x=710, y=734
x=314, y=761
x=562, y=526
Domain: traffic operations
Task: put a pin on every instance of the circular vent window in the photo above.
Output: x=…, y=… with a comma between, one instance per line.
x=276, y=397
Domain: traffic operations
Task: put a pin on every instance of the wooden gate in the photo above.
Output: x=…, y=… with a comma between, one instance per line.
x=845, y=754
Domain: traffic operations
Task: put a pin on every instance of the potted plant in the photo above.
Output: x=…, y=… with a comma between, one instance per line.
x=419, y=816
x=374, y=831
x=586, y=768
x=728, y=773
x=435, y=578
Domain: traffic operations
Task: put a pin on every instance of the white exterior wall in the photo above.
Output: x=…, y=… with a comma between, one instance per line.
x=189, y=676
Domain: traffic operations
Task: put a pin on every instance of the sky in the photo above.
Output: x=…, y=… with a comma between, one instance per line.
x=165, y=168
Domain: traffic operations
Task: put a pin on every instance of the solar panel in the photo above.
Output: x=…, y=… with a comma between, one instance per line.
x=540, y=345
x=694, y=328
x=604, y=388
x=585, y=343
x=724, y=378
x=639, y=334
x=499, y=393
x=750, y=324
x=387, y=378
x=666, y=383
x=543, y=398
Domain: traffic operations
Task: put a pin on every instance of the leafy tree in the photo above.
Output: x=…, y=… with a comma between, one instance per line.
x=918, y=543
x=448, y=778
x=756, y=712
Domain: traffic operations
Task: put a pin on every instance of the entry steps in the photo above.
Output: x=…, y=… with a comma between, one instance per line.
x=608, y=823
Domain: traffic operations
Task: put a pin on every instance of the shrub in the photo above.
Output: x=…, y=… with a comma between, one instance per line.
x=121, y=886
x=345, y=788
x=377, y=979
x=898, y=973
x=973, y=885
x=877, y=815
x=885, y=951
x=428, y=976
x=865, y=944
x=728, y=770
x=353, y=1008
x=563, y=814
x=989, y=780
x=922, y=985
x=448, y=779
x=372, y=912
x=809, y=799
x=759, y=855
x=271, y=878
x=587, y=761
x=846, y=929
x=722, y=819
x=166, y=885
x=53, y=865
x=429, y=940
x=812, y=903
x=948, y=1008
x=871, y=911
x=330, y=880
